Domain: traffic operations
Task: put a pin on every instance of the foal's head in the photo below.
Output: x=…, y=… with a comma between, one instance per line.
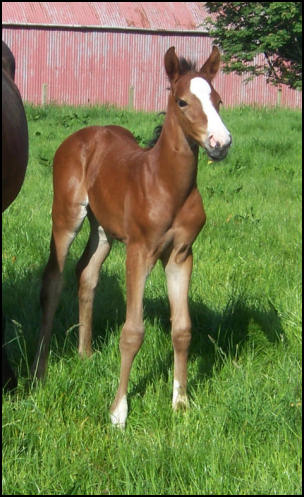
x=197, y=102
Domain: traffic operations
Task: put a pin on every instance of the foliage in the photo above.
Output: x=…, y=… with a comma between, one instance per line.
x=245, y=29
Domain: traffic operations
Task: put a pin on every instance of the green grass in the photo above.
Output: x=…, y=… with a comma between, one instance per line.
x=242, y=433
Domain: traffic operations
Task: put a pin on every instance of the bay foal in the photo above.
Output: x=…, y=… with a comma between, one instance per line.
x=148, y=199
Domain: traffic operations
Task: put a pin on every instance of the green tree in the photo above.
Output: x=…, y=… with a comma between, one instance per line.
x=245, y=29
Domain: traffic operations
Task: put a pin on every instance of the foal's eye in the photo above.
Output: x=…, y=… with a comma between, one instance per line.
x=182, y=103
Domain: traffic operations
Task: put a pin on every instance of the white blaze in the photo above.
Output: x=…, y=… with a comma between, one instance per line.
x=215, y=127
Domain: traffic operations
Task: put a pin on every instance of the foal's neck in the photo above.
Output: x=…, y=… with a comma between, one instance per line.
x=177, y=154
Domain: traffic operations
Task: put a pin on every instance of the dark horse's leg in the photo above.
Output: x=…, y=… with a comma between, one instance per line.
x=8, y=378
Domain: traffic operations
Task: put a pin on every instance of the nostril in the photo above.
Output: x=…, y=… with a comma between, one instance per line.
x=219, y=144
x=213, y=142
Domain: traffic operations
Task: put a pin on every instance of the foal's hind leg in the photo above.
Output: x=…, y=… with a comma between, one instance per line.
x=96, y=251
x=65, y=226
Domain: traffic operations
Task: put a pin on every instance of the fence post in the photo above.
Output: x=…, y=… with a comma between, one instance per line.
x=131, y=98
x=44, y=93
x=279, y=96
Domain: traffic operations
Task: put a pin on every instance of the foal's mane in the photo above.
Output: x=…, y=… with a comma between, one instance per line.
x=186, y=65
x=156, y=134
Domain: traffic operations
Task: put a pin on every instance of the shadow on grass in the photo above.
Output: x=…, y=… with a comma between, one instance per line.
x=214, y=334
x=218, y=336
x=21, y=307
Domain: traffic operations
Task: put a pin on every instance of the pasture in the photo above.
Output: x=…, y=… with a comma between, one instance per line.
x=242, y=432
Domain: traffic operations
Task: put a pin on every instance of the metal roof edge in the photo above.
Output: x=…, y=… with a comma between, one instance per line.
x=100, y=28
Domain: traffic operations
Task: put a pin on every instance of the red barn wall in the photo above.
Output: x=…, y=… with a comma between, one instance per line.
x=95, y=66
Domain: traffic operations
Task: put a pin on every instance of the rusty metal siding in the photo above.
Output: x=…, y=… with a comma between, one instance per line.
x=82, y=67
x=112, y=52
x=176, y=16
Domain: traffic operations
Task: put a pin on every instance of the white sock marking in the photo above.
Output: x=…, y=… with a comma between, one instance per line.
x=119, y=415
x=175, y=392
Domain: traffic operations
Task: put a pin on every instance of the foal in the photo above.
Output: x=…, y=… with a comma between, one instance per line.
x=148, y=199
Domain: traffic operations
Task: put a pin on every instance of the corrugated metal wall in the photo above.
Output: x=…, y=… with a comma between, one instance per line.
x=80, y=67
x=155, y=16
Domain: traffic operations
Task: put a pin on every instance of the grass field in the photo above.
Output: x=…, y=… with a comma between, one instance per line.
x=242, y=433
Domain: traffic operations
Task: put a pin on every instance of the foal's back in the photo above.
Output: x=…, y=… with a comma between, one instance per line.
x=96, y=148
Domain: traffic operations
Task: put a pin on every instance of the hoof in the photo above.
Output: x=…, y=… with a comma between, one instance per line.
x=181, y=403
x=180, y=399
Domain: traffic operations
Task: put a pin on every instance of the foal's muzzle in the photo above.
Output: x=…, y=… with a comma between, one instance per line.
x=217, y=151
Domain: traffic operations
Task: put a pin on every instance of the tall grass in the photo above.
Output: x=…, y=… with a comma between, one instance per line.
x=242, y=433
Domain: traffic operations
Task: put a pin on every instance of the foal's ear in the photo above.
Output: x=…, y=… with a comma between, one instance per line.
x=211, y=66
x=171, y=64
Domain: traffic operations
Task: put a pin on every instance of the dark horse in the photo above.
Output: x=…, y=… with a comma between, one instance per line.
x=14, y=160
x=148, y=199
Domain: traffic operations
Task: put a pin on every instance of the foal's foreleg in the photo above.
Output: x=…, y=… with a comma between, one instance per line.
x=96, y=251
x=178, y=275
x=132, y=334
